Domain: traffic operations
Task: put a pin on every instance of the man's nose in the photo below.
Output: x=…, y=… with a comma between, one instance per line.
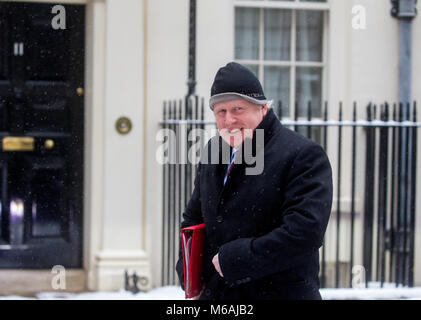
x=230, y=118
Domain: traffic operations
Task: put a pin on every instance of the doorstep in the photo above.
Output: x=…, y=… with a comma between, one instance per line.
x=29, y=282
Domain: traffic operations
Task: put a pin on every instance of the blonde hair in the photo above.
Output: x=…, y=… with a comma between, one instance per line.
x=269, y=104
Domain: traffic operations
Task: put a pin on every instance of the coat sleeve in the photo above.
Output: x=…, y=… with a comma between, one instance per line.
x=191, y=216
x=306, y=211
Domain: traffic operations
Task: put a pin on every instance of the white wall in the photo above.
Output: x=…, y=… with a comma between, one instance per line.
x=166, y=74
x=215, y=42
x=94, y=136
x=120, y=242
x=375, y=55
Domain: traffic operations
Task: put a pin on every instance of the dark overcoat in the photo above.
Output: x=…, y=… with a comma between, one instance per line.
x=267, y=228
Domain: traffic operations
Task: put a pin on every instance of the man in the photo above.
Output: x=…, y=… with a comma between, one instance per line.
x=263, y=231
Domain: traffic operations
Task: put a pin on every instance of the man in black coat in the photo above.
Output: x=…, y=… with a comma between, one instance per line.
x=264, y=221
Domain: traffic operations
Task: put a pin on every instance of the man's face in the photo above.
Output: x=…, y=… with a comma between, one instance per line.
x=236, y=120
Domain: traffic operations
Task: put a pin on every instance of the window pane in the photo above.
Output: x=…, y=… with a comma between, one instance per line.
x=246, y=33
x=277, y=34
x=309, y=35
x=276, y=87
x=309, y=89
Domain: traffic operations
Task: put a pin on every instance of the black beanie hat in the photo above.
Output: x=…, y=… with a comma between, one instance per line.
x=235, y=81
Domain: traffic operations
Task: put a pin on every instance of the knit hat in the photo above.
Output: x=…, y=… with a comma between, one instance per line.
x=235, y=81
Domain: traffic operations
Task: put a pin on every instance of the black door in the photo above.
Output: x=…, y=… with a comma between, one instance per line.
x=41, y=132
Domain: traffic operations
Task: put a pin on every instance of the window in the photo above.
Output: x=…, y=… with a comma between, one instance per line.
x=282, y=41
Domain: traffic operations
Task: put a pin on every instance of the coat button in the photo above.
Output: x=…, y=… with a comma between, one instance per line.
x=219, y=219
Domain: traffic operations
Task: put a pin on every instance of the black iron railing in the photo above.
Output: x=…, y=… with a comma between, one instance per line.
x=179, y=117
x=372, y=224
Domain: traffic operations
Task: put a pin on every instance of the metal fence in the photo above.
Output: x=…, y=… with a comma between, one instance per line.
x=370, y=235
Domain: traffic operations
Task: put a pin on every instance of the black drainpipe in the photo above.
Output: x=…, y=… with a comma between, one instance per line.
x=404, y=11
x=191, y=82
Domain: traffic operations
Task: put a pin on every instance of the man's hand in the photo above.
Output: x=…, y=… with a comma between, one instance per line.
x=215, y=261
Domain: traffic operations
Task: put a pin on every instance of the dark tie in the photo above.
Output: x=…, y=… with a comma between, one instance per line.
x=230, y=167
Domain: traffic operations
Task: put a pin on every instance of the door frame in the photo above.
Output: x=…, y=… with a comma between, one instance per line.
x=109, y=187
x=30, y=281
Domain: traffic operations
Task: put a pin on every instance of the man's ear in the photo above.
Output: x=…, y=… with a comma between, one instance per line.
x=264, y=109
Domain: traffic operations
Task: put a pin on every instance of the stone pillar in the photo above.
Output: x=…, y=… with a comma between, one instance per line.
x=116, y=219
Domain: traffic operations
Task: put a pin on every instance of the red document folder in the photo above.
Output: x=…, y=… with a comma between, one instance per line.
x=192, y=239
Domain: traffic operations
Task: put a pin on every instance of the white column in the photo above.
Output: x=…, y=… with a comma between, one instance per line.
x=120, y=242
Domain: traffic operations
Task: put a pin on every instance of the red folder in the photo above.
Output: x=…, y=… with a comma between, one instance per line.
x=192, y=239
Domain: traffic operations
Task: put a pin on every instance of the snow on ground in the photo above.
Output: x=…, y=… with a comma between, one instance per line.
x=162, y=293
x=372, y=294
x=175, y=293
